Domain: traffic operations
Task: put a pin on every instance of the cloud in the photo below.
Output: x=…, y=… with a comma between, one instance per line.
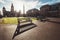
x=30, y=0
x=1, y=1
x=18, y=4
x=29, y=4
x=41, y=3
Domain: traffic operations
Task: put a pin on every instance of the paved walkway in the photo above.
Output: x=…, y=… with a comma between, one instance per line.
x=43, y=31
x=54, y=19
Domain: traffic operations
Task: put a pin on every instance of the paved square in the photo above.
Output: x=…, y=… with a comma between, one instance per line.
x=43, y=31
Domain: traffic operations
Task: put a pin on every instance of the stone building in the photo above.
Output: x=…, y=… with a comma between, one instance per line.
x=44, y=9
x=10, y=13
x=33, y=12
x=51, y=10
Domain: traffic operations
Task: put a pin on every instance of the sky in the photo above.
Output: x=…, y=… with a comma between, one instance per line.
x=29, y=4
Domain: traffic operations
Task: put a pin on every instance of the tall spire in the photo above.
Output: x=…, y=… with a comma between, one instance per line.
x=23, y=9
x=12, y=8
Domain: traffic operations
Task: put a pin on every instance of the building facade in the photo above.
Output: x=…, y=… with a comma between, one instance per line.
x=51, y=10
x=10, y=13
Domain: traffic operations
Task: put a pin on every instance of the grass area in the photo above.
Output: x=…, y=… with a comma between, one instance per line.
x=13, y=20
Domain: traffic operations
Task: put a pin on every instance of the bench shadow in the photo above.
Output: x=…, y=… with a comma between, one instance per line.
x=54, y=22
x=17, y=31
x=48, y=20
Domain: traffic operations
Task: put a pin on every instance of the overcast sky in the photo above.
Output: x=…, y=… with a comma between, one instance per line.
x=29, y=4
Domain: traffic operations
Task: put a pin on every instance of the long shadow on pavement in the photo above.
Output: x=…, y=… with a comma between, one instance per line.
x=17, y=31
x=49, y=20
x=54, y=22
